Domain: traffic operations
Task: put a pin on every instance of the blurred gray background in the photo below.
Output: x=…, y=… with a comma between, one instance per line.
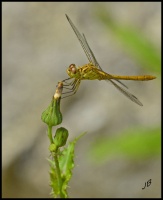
x=38, y=45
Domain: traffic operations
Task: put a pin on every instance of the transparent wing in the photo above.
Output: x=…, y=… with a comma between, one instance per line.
x=84, y=45
x=89, y=53
x=97, y=64
x=92, y=54
x=127, y=94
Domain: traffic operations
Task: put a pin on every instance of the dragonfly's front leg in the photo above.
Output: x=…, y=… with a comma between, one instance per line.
x=75, y=85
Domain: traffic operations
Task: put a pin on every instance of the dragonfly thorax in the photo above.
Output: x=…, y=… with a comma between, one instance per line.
x=72, y=71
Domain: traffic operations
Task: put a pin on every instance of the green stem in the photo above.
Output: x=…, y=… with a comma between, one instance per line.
x=59, y=179
x=58, y=175
x=50, y=134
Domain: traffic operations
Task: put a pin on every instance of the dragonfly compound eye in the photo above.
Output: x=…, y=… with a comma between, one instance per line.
x=72, y=68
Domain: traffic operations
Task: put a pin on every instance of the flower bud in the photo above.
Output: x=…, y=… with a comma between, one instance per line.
x=60, y=137
x=52, y=115
x=52, y=148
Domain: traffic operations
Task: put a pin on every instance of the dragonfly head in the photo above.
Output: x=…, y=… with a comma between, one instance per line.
x=72, y=71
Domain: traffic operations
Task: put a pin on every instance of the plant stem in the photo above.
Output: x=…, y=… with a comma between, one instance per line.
x=50, y=134
x=58, y=175
x=59, y=179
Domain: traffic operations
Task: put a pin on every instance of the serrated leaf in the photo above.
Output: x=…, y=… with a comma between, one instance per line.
x=66, y=163
x=53, y=179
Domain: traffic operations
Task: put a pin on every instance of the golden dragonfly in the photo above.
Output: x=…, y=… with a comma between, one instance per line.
x=92, y=71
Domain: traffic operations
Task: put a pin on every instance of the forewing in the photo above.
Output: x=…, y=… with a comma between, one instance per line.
x=83, y=43
x=92, y=54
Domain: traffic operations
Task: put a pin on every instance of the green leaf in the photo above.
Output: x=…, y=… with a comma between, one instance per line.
x=66, y=163
x=53, y=179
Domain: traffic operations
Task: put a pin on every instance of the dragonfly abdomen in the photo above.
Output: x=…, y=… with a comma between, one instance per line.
x=136, y=78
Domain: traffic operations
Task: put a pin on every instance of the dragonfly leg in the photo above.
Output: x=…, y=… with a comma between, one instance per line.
x=72, y=85
x=74, y=88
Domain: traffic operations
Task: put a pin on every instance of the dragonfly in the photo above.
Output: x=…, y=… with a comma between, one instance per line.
x=93, y=71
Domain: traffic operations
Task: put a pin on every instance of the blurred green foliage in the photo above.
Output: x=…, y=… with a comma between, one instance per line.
x=133, y=41
x=136, y=144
